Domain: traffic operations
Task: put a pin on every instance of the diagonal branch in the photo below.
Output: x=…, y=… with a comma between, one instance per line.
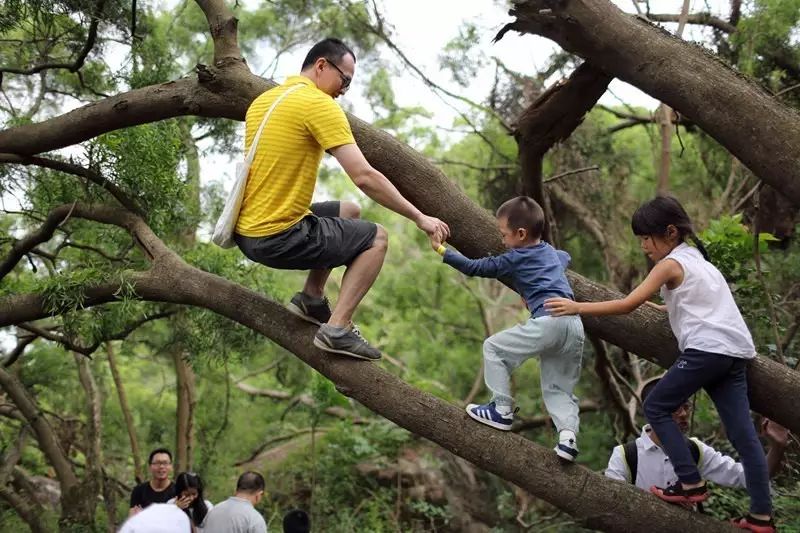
x=87, y=351
x=14, y=354
x=76, y=65
x=45, y=435
x=77, y=170
x=23, y=246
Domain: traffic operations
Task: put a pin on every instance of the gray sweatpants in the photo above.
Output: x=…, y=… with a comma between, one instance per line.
x=558, y=341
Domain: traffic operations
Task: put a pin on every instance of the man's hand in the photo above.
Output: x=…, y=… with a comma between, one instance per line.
x=775, y=433
x=435, y=228
x=135, y=510
x=561, y=306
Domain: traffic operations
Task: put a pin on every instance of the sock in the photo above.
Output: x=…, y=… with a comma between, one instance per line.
x=504, y=410
x=566, y=434
x=334, y=331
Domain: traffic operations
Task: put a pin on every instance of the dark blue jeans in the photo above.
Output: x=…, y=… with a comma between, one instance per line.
x=725, y=380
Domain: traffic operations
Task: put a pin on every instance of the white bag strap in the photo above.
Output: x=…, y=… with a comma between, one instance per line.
x=252, y=152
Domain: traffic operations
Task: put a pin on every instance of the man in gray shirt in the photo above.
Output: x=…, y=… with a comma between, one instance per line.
x=237, y=514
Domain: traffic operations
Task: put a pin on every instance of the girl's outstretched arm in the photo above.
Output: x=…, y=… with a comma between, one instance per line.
x=665, y=272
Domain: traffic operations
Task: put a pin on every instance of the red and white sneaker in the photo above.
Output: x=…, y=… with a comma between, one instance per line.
x=755, y=524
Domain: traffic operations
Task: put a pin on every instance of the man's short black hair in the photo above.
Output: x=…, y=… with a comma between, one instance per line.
x=331, y=48
x=156, y=452
x=250, y=482
x=523, y=212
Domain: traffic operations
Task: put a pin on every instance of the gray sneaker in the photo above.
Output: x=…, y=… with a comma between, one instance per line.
x=314, y=310
x=346, y=342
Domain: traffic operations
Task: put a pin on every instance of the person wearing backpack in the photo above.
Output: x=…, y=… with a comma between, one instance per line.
x=643, y=462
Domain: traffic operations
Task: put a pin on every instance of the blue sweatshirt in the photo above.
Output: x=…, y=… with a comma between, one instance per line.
x=537, y=272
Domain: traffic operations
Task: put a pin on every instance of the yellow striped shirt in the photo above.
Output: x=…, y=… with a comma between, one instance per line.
x=284, y=171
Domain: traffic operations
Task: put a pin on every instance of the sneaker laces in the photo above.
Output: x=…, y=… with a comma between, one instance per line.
x=357, y=332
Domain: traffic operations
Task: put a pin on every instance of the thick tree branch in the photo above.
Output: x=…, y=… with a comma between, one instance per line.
x=224, y=30
x=687, y=78
x=212, y=94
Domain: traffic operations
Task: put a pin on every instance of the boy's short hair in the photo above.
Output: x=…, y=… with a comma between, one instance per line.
x=523, y=212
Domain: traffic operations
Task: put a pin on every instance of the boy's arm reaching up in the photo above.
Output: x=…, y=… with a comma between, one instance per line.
x=497, y=266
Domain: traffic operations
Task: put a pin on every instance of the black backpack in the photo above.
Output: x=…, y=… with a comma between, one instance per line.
x=632, y=456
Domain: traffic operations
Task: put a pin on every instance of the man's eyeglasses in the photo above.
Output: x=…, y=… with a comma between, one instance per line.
x=161, y=463
x=342, y=76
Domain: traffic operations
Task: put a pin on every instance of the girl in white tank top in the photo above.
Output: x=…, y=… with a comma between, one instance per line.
x=715, y=346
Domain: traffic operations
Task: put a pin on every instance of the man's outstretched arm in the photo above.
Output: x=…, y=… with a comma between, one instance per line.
x=379, y=188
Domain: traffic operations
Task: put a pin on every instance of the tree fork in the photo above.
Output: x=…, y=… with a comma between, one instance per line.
x=758, y=129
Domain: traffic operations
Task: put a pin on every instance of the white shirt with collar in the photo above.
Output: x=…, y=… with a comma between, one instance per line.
x=655, y=468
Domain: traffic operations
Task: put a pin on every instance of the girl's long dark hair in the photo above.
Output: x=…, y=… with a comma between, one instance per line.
x=653, y=217
x=186, y=480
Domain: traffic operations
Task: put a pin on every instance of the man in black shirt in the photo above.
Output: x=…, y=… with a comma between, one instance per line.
x=160, y=488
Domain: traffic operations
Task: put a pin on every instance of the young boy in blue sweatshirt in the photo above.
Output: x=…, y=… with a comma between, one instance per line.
x=537, y=271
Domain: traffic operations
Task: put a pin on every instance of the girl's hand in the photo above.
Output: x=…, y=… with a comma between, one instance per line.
x=657, y=307
x=561, y=306
x=184, y=501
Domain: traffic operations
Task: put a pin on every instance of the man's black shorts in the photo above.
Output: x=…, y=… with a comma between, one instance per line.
x=320, y=240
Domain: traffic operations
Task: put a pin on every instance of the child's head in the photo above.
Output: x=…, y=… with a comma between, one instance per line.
x=521, y=221
x=662, y=224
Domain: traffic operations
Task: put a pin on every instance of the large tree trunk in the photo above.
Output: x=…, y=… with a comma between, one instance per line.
x=758, y=129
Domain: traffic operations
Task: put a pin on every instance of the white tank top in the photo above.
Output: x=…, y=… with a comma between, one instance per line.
x=702, y=312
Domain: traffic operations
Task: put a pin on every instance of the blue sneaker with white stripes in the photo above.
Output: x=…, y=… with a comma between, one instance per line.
x=488, y=414
x=567, y=447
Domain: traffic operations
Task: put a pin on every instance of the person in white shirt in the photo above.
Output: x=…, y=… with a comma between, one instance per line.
x=716, y=349
x=652, y=467
x=158, y=518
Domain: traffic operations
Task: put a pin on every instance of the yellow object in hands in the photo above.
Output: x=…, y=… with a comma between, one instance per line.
x=441, y=249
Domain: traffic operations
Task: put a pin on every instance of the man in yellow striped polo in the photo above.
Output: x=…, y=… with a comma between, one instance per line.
x=278, y=225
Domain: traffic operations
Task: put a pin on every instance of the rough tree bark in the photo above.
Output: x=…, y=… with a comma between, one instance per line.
x=550, y=119
x=594, y=500
x=763, y=133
